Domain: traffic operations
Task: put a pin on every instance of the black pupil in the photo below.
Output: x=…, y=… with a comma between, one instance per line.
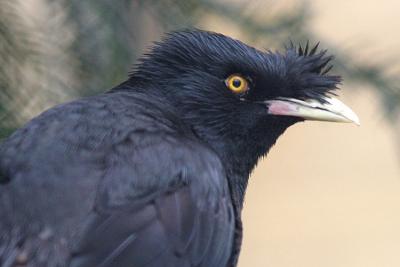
x=236, y=83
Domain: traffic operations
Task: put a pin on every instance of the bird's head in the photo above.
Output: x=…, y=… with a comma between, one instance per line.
x=240, y=99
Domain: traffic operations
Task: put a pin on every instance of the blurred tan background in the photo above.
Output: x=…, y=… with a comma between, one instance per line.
x=327, y=194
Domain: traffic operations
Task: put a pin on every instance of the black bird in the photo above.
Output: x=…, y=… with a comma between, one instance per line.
x=153, y=172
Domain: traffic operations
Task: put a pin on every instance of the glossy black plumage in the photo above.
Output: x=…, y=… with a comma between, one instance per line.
x=152, y=173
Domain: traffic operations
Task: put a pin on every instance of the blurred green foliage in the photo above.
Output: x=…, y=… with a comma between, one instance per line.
x=102, y=38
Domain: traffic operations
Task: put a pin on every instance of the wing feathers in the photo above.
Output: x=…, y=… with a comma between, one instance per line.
x=140, y=221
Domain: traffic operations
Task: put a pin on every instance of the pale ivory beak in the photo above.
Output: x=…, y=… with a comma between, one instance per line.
x=333, y=110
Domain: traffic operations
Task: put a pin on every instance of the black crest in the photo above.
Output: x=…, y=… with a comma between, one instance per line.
x=300, y=72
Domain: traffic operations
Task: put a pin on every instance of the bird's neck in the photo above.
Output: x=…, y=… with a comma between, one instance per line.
x=238, y=149
x=240, y=158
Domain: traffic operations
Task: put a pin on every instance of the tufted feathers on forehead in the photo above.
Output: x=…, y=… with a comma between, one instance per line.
x=298, y=72
x=191, y=50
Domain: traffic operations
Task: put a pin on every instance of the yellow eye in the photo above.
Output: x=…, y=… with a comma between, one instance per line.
x=237, y=83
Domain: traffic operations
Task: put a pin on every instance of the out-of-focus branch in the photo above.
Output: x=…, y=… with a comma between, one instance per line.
x=14, y=50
